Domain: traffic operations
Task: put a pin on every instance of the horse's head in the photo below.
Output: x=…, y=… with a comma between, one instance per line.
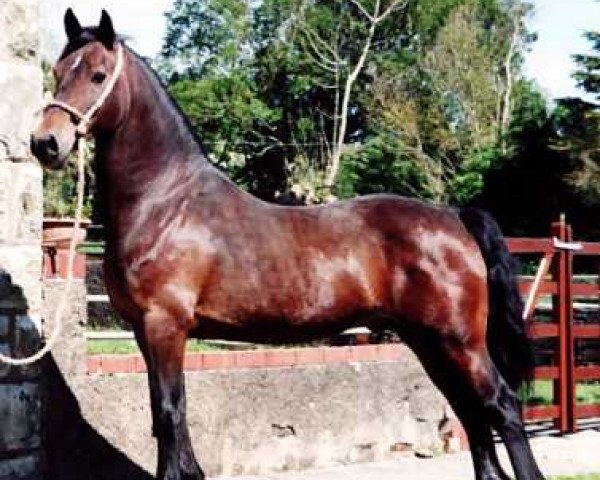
x=90, y=96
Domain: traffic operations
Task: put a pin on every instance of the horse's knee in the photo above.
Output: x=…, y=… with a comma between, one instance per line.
x=168, y=414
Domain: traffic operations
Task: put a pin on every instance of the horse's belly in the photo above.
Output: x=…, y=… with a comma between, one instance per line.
x=320, y=302
x=273, y=329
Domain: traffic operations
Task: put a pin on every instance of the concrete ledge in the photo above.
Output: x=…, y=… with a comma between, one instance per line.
x=281, y=357
x=252, y=418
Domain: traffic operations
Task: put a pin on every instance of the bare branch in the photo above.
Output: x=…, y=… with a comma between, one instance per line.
x=315, y=36
x=508, y=72
x=341, y=133
x=363, y=10
x=396, y=4
x=317, y=57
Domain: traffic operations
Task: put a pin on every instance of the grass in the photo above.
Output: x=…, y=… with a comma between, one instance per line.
x=106, y=347
x=594, y=476
x=541, y=393
x=91, y=248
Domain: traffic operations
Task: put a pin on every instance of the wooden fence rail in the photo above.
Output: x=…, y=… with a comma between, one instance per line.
x=561, y=285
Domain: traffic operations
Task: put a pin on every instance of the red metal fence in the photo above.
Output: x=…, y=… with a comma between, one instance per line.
x=556, y=279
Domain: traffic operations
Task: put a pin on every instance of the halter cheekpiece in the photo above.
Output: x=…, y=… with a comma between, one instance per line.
x=83, y=119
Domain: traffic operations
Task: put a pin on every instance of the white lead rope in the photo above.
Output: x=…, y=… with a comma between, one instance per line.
x=60, y=309
x=82, y=131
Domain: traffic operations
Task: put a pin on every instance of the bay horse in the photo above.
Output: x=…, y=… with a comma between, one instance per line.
x=190, y=254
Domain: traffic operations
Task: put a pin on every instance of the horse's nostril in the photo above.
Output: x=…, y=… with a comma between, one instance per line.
x=44, y=147
x=52, y=146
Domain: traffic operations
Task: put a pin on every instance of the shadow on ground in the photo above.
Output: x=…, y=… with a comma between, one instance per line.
x=74, y=449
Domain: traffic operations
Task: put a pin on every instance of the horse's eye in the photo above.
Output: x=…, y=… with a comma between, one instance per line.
x=98, y=77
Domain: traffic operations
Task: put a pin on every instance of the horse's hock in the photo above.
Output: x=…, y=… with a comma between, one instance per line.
x=20, y=239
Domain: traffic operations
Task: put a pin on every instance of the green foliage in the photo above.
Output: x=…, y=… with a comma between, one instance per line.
x=205, y=36
x=225, y=108
x=60, y=192
x=541, y=393
x=588, y=74
x=578, y=125
x=468, y=180
x=529, y=113
x=423, y=117
x=445, y=105
x=379, y=166
x=428, y=16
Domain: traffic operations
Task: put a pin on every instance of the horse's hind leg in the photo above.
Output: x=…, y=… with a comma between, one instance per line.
x=481, y=396
x=504, y=413
x=454, y=381
x=165, y=345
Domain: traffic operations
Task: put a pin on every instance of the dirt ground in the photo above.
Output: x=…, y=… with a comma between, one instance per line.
x=557, y=455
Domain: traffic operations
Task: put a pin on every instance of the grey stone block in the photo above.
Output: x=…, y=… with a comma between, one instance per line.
x=21, y=101
x=24, y=264
x=4, y=325
x=19, y=417
x=19, y=37
x=21, y=202
x=21, y=468
x=27, y=335
x=27, y=341
x=4, y=367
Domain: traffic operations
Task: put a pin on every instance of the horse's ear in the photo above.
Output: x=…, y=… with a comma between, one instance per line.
x=106, y=32
x=72, y=26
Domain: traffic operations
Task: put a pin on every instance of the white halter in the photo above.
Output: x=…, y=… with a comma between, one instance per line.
x=85, y=118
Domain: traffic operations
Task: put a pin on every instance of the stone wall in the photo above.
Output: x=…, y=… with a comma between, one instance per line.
x=20, y=239
x=248, y=420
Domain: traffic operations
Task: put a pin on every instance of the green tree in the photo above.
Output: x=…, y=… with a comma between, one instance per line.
x=578, y=124
x=588, y=73
x=204, y=37
x=287, y=92
x=450, y=105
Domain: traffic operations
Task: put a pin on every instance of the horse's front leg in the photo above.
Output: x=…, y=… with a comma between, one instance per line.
x=165, y=340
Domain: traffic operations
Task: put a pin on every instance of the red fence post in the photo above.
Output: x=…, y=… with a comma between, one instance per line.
x=569, y=340
x=562, y=306
x=559, y=393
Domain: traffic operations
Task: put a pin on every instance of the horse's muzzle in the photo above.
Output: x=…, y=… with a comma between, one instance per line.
x=45, y=148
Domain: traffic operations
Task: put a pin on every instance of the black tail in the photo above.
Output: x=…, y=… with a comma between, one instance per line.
x=507, y=339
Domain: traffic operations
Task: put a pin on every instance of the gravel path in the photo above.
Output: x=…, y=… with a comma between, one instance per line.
x=567, y=455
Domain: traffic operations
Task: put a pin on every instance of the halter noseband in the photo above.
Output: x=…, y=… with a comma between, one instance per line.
x=83, y=119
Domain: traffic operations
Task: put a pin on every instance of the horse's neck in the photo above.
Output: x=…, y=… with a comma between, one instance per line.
x=152, y=158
